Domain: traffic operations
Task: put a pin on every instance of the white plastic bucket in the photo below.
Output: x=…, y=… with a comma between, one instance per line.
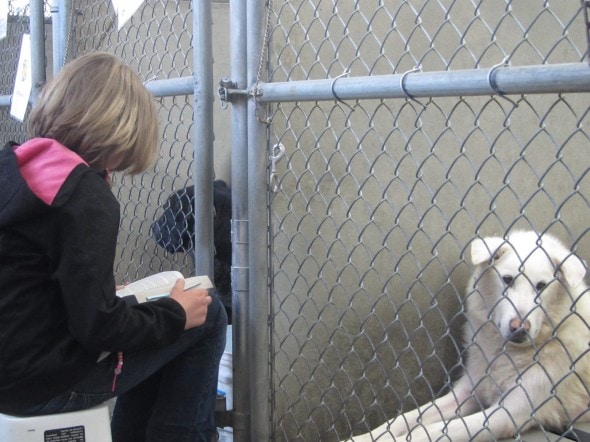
x=225, y=382
x=91, y=425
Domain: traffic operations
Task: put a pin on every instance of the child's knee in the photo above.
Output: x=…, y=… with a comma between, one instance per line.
x=216, y=312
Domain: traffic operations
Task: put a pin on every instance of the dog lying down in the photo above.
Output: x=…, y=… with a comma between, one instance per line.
x=527, y=339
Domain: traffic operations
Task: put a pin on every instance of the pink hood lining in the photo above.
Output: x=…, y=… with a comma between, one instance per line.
x=45, y=164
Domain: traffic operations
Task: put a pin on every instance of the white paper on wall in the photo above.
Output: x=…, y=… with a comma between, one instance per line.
x=125, y=9
x=3, y=18
x=23, y=82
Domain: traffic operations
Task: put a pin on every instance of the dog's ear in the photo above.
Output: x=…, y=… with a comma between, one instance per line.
x=571, y=267
x=487, y=249
x=574, y=270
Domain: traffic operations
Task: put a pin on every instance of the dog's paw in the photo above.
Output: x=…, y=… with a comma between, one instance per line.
x=429, y=433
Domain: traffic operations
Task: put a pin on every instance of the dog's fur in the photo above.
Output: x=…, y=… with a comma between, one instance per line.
x=174, y=230
x=527, y=337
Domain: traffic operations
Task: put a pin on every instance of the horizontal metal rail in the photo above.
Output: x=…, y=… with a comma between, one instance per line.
x=500, y=80
x=171, y=87
x=542, y=79
x=158, y=88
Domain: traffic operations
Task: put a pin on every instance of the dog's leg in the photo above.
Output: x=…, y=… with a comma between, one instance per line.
x=458, y=429
x=395, y=429
x=491, y=424
x=504, y=419
x=441, y=409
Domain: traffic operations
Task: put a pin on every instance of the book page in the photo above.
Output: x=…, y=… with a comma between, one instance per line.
x=150, y=282
x=160, y=284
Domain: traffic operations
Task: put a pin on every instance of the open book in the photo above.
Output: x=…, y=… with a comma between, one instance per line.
x=159, y=285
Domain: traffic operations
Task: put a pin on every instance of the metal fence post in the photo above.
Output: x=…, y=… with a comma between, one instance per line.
x=37, y=47
x=240, y=241
x=258, y=227
x=203, y=173
x=61, y=11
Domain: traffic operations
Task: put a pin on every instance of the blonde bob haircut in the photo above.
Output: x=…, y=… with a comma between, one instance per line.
x=98, y=107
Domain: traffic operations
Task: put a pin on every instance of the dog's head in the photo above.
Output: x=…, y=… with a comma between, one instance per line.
x=527, y=282
x=174, y=230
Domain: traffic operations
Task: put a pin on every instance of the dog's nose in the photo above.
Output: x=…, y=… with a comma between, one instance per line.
x=517, y=324
x=519, y=330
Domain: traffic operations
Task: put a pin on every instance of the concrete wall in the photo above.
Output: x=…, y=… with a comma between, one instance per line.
x=379, y=200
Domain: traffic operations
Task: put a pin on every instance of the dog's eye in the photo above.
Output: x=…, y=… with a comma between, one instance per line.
x=507, y=279
x=540, y=286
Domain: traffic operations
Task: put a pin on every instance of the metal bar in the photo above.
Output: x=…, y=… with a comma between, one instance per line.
x=55, y=29
x=542, y=79
x=180, y=86
x=240, y=240
x=65, y=31
x=171, y=86
x=61, y=32
x=37, y=28
x=585, y=8
x=258, y=330
x=203, y=170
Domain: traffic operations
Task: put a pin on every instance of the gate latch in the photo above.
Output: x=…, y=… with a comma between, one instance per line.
x=227, y=89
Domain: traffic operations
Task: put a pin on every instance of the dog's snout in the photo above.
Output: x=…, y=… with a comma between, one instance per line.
x=519, y=330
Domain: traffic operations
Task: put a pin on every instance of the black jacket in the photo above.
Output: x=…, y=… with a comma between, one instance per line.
x=58, y=309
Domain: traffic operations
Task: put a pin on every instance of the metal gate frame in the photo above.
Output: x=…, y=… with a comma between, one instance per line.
x=249, y=95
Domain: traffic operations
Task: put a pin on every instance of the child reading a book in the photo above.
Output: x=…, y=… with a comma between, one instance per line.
x=58, y=234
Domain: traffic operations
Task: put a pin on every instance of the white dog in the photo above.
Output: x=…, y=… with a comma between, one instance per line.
x=527, y=339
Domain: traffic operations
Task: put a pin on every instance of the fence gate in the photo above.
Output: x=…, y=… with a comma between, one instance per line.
x=367, y=144
x=409, y=128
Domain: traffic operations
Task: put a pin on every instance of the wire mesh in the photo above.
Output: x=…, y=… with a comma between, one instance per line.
x=17, y=25
x=157, y=43
x=378, y=200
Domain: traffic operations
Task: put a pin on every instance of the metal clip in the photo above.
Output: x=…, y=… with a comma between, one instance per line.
x=494, y=85
x=333, y=84
x=402, y=85
x=278, y=150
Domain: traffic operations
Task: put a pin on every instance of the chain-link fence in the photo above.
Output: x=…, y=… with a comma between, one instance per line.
x=378, y=199
x=158, y=43
x=17, y=25
x=409, y=128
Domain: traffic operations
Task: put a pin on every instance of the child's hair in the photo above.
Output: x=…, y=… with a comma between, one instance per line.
x=98, y=107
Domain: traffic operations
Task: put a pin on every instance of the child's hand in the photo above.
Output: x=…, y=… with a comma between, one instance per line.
x=194, y=301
